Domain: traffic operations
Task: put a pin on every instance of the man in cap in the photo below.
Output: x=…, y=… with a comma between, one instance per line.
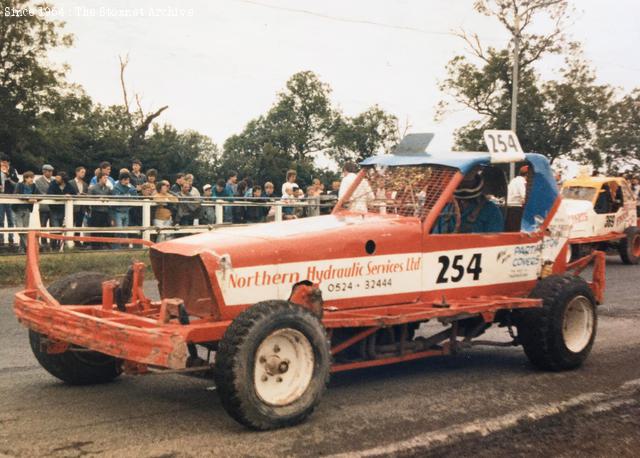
x=477, y=213
x=42, y=184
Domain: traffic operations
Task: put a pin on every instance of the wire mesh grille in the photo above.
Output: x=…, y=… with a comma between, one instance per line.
x=405, y=191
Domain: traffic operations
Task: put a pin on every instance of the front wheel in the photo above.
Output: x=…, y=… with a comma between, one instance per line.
x=76, y=366
x=559, y=336
x=272, y=365
x=629, y=246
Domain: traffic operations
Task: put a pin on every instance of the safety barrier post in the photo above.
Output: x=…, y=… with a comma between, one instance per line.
x=219, y=213
x=68, y=220
x=146, y=220
x=278, y=212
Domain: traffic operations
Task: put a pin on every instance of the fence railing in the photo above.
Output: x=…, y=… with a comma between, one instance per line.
x=309, y=206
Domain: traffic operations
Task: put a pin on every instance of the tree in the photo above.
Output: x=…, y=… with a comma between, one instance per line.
x=555, y=118
x=619, y=136
x=371, y=132
x=302, y=125
x=27, y=79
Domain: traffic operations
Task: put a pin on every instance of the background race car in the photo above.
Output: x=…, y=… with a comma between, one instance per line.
x=603, y=215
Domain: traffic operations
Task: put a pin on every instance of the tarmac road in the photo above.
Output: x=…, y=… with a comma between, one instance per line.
x=485, y=402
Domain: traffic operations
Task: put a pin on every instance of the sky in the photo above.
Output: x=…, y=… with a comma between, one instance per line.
x=220, y=63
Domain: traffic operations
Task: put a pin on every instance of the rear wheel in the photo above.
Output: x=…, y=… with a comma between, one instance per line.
x=272, y=365
x=72, y=366
x=559, y=336
x=629, y=247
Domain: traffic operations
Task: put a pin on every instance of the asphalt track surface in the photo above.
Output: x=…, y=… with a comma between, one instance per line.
x=485, y=402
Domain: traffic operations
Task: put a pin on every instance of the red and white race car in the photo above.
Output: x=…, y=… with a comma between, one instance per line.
x=415, y=261
x=603, y=214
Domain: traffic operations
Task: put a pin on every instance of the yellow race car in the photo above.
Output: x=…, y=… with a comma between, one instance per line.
x=603, y=214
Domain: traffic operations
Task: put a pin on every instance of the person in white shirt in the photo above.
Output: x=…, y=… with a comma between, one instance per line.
x=292, y=175
x=362, y=195
x=516, y=196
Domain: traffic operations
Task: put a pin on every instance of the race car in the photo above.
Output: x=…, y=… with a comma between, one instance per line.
x=414, y=262
x=603, y=215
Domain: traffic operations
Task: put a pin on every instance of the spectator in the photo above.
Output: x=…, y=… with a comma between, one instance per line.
x=249, y=191
x=335, y=188
x=105, y=169
x=59, y=186
x=292, y=175
x=8, y=182
x=289, y=196
x=122, y=189
x=232, y=183
x=137, y=177
x=166, y=203
x=100, y=213
x=238, y=211
x=42, y=184
x=317, y=184
x=152, y=177
x=148, y=189
x=269, y=191
x=635, y=187
x=256, y=214
x=81, y=188
x=222, y=192
x=516, y=195
x=313, y=198
x=208, y=214
x=177, y=187
x=187, y=208
x=22, y=212
x=270, y=195
x=362, y=195
x=189, y=178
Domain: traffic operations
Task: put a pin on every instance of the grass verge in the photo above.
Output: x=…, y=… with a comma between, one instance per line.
x=54, y=266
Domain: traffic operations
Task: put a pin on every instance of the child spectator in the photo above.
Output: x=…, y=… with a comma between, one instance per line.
x=59, y=187
x=292, y=175
x=221, y=192
x=166, y=204
x=99, y=213
x=256, y=214
x=152, y=177
x=105, y=169
x=22, y=212
x=208, y=213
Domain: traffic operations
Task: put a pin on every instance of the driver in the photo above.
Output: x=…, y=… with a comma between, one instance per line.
x=477, y=213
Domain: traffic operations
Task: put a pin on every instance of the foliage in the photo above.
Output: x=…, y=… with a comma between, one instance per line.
x=619, y=135
x=301, y=126
x=572, y=116
x=365, y=135
x=27, y=79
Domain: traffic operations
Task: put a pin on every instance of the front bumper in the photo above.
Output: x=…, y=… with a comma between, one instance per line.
x=129, y=337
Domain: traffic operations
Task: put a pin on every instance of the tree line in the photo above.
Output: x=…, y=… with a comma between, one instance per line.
x=47, y=119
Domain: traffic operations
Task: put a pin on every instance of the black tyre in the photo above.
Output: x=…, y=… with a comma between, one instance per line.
x=272, y=365
x=629, y=247
x=559, y=336
x=76, y=367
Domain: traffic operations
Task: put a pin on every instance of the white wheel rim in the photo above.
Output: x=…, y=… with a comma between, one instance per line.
x=283, y=367
x=577, y=325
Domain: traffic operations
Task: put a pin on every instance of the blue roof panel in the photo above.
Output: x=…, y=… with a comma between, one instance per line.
x=463, y=161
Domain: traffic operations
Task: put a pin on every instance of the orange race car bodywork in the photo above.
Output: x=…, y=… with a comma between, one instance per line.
x=363, y=272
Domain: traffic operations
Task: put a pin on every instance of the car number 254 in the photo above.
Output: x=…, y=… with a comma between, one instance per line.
x=455, y=268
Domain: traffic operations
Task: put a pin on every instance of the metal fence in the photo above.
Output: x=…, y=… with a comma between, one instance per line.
x=302, y=207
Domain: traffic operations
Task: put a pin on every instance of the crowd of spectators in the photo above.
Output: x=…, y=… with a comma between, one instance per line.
x=180, y=203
